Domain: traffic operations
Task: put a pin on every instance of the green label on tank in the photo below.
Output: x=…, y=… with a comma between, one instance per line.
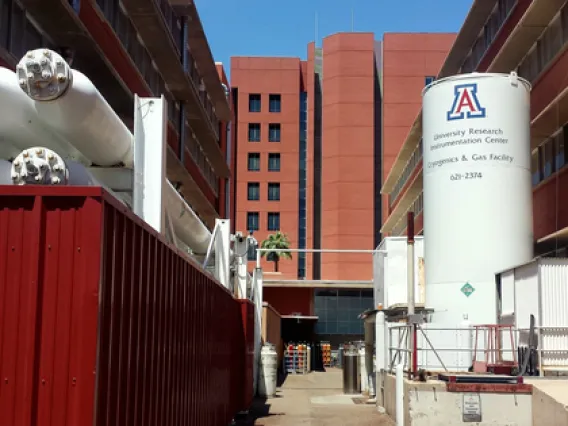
x=467, y=289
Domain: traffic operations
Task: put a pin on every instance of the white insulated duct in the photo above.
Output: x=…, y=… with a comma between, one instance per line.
x=187, y=225
x=20, y=127
x=67, y=101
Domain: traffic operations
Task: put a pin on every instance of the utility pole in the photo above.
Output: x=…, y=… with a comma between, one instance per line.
x=410, y=295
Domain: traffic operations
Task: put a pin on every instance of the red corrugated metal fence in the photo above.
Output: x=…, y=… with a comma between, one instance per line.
x=103, y=323
x=248, y=327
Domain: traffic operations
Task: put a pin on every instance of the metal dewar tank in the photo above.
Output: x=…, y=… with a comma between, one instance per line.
x=477, y=191
x=351, y=375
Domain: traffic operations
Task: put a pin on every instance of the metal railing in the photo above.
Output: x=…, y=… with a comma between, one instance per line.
x=453, y=349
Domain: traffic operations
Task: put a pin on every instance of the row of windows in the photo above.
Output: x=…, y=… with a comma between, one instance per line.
x=130, y=40
x=552, y=41
x=412, y=162
x=196, y=152
x=550, y=157
x=254, y=133
x=274, y=102
x=488, y=34
x=254, y=162
x=338, y=310
x=128, y=36
x=417, y=207
x=272, y=223
x=408, y=169
x=17, y=33
x=253, y=191
x=118, y=18
x=302, y=183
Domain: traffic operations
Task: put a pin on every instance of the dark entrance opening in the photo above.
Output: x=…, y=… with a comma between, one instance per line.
x=302, y=330
x=298, y=328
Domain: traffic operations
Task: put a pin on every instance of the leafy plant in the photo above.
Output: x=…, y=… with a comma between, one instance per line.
x=278, y=241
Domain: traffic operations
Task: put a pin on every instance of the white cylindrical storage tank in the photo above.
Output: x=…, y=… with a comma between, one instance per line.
x=268, y=371
x=477, y=191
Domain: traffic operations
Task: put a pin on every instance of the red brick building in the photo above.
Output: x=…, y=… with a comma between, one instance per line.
x=314, y=140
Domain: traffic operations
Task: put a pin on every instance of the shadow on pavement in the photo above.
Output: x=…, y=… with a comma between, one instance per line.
x=281, y=378
x=259, y=410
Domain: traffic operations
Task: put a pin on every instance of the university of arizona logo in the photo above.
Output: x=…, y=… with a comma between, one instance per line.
x=466, y=104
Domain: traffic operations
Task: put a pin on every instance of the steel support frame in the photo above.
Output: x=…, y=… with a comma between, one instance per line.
x=150, y=127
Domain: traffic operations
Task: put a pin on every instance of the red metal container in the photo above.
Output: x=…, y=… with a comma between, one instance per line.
x=104, y=323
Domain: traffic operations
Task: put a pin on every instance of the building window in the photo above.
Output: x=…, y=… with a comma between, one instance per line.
x=274, y=103
x=547, y=151
x=560, y=156
x=274, y=132
x=253, y=191
x=254, y=102
x=252, y=221
x=339, y=310
x=535, y=167
x=274, y=221
x=254, y=132
x=253, y=162
x=273, y=192
x=273, y=162
x=551, y=42
x=429, y=79
x=557, y=142
x=251, y=252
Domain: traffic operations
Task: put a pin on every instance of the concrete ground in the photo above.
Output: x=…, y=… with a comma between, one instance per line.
x=315, y=399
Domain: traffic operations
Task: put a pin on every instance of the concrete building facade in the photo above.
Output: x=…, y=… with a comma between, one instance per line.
x=314, y=139
x=149, y=49
x=531, y=38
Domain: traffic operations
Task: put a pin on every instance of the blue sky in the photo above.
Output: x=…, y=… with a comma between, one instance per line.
x=284, y=28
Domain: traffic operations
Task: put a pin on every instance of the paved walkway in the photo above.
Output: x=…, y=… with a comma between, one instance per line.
x=315, y=399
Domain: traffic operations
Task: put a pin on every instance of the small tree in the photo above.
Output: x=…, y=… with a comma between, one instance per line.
x=278, y=241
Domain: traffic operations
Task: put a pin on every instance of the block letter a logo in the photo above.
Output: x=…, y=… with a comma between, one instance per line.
x=466, y=104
